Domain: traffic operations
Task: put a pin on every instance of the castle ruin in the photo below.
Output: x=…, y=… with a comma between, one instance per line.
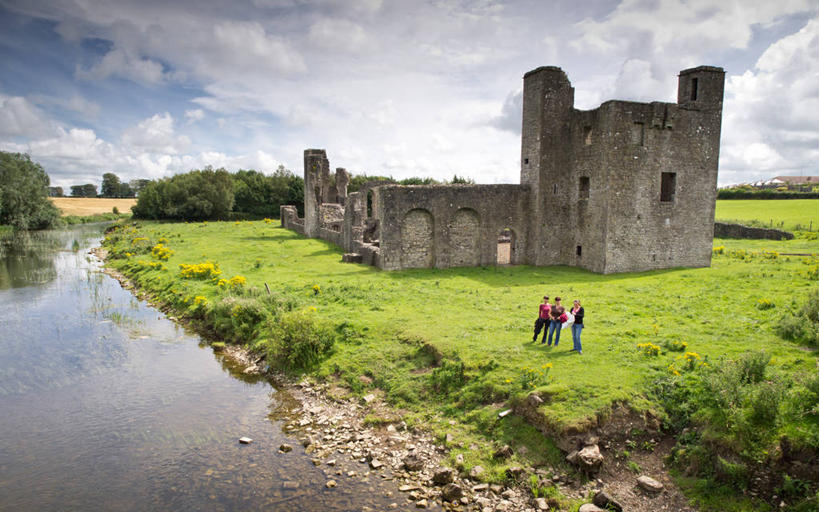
x=625, y=187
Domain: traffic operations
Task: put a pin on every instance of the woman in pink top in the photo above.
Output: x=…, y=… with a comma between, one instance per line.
x=542, y=319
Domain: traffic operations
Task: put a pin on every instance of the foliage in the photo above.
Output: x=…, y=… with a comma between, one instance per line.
x=87, y=190
x=675, y=345
x=110, y=185
x=448, y=377
x=803, y=324
x=648, y=349
x=765, y=193
x=206, y=270
x=299, y=340
x=261, y=196
x=24, y=200
x=196, y=195
x=161, y=252
x=530, y=378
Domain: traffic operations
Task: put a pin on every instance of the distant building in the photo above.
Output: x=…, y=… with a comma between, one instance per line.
x=787, y=181
x=625, y=187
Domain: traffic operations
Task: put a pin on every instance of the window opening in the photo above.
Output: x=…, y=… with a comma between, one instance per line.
x=587, y=133
x=668, y=187
x=695, y=82
x=369, y=204
x=583, y=187
x=579, y=250
x=638, y=134
x=526, y=161
x=555, y=188
x=506, y=247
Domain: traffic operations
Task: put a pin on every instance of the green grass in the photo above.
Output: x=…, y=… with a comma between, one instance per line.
x=483, y=317
x=788, y=214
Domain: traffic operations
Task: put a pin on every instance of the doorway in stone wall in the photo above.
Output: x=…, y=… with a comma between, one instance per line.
x=506, y=247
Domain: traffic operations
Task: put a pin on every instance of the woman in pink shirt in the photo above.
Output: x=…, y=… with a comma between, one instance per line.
x=542, y=319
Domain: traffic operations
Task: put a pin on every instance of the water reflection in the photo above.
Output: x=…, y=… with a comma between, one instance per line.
x=107, y=405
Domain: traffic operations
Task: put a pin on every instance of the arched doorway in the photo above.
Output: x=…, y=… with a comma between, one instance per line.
x=464, y=235
x=417, y=242
x=506, y=247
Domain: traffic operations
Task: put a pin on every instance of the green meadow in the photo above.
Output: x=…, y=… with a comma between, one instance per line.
x=457, y=343
x=788, y=214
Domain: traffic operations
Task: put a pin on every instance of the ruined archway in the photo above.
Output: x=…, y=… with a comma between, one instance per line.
x=506, y=247
x=464, y=237
x=417, y=239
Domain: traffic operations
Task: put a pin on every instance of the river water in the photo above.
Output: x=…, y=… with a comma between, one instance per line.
x=105, y=404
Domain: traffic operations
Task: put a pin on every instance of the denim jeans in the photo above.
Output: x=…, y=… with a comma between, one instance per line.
x=576, y=328
x=554, y=325
x=540, y=323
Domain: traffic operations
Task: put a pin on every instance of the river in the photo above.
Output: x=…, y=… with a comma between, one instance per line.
x=105, y=404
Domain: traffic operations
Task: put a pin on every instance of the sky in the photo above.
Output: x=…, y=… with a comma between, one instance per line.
x=428, y=88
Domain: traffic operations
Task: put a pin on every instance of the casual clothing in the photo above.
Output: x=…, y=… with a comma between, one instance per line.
x=577, y=328
x=555, y=323
x=542, y=320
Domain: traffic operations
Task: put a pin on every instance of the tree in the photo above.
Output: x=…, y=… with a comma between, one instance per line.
x=110, y=185
x=137, y=185
x=56, y=191
x=24, y=200
x=87, y=190
x=195, y=195
x=125, y=190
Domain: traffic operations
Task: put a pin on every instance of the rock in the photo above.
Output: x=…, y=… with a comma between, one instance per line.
x=604, y=501
x=508, y=494
x=245, y=440
x=365, y=380
x=289, y=484
x=483, y=502
x=443, y=476
x=480, y=487
x=588, y=459
x=534, y=400
x=407, y=488
x=459, y=459
x=505, y=413
x=590, y=507
x=330, y=484
x=421, y=504
x=649, y=484
x=503, y=452
x=515, y=472
x=369, y=398
x=541, y=504
x=476, y=472
x=375, y=464
x=591, y=440
x=452, y=492
x=449, y=439
x=413, y=463
x=331, y=462
x=285, y=448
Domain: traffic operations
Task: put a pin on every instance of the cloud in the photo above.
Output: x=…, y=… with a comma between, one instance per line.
x=121, y=63
x=770, y=125
x=156, y=135
x=194, y=115
x=21, y=118
x=338, y=35
x=511, y=115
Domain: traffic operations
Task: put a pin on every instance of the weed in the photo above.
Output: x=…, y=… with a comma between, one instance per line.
x=633, y=466
x=649, y=349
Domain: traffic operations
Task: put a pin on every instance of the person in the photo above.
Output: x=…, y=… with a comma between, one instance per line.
x=557, y=315
x=542, y=319
x=577, y=326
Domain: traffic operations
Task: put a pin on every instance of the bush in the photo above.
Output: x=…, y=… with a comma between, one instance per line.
x=24, y=202
x=196, y=195
x=448, y=377
x=299, y=341
x=803, y=326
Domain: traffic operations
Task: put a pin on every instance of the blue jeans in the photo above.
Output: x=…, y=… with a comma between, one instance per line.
x=554, y=325
x=576, y=328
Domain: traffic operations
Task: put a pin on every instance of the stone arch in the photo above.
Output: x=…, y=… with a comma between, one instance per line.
x=507, y=245
x=417, y=239
x=464, y=238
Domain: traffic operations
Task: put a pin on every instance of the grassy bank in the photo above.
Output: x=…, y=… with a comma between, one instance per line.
x=787, y=214
x=456, y=343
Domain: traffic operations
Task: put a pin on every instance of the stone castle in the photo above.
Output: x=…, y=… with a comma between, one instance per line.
x=625, y=187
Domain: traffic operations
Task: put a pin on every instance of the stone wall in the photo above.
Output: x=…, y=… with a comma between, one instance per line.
x=444, y=226
x=723, y=230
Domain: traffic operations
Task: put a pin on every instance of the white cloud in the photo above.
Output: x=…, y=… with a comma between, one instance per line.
x=21, y=118
x=156, y=135
x=194, y=115
x=338, y=34
x=123, y=64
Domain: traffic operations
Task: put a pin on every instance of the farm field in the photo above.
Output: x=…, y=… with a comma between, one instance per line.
x=787, y=214
x=85, y=206
x=478, y=322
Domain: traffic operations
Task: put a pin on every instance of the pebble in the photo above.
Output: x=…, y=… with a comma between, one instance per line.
x=330, y=484
x=245, y=440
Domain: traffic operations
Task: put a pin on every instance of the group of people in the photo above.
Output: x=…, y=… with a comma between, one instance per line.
x=551, y=318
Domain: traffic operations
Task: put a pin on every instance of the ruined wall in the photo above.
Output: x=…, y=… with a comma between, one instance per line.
x=449, y=225
x=724, y=230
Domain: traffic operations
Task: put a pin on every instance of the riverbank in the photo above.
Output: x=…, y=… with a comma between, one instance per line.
x=448, y=348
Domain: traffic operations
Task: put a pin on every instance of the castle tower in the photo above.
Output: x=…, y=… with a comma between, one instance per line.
x=545, y=159
x=316, y=174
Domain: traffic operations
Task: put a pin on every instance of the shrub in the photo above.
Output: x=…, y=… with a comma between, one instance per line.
x=648, y=349
x=675, y=345
x=24, y=200
x=803, y=326
x=161, y=252
x=196, y=195
x=204, y=270
x=764, y=304
x=298, y=340
x=532, y=377
x=448, y=377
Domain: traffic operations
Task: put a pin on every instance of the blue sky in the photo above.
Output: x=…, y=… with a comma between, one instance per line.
x=425, y=88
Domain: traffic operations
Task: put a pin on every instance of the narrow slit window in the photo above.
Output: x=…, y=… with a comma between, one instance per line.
x=668, y=186
x=695, y=82
x=587, y=134
x=579, y=250
x=554, y=190
x=583, y=187
x=526, y=161
x=638, y=134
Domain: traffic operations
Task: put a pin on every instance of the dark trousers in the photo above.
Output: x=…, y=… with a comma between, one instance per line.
x=540, y=323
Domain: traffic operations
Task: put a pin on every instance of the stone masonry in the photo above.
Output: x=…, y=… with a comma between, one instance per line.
x=625, y=187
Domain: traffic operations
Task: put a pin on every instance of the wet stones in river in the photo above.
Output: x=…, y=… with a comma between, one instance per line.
x=285, y=448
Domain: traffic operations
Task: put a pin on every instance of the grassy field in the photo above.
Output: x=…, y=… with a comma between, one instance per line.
x=479, y=321
x=85, y=206
x=788, y=214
